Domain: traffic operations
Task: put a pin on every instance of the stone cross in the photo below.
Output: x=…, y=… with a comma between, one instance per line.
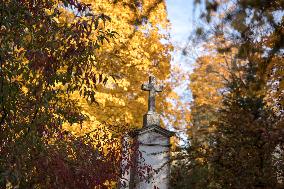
x=153, y=89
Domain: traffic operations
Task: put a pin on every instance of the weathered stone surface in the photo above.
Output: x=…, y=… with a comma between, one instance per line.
x=152, y=128
x=151, y=119
x=156, y=153
x=153, y=89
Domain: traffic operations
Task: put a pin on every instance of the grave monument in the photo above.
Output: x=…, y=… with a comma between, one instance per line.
x=153, y=145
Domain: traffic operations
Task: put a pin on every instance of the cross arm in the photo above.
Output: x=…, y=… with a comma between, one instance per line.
x=159, y=88
x=145, y=87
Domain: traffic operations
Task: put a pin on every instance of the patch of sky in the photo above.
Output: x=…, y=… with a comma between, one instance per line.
x=182, y=15
x=278, y=15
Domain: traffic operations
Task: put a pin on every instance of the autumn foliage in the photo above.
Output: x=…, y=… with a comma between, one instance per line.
x=62, y=63
x=70, y=77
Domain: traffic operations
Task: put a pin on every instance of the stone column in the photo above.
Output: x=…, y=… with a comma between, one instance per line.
x=154, y=153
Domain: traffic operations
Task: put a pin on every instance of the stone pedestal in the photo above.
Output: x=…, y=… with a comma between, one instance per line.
x=151, y=166
x=150, y=119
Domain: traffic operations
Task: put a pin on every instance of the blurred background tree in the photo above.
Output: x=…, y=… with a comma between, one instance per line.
x=236, y=141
